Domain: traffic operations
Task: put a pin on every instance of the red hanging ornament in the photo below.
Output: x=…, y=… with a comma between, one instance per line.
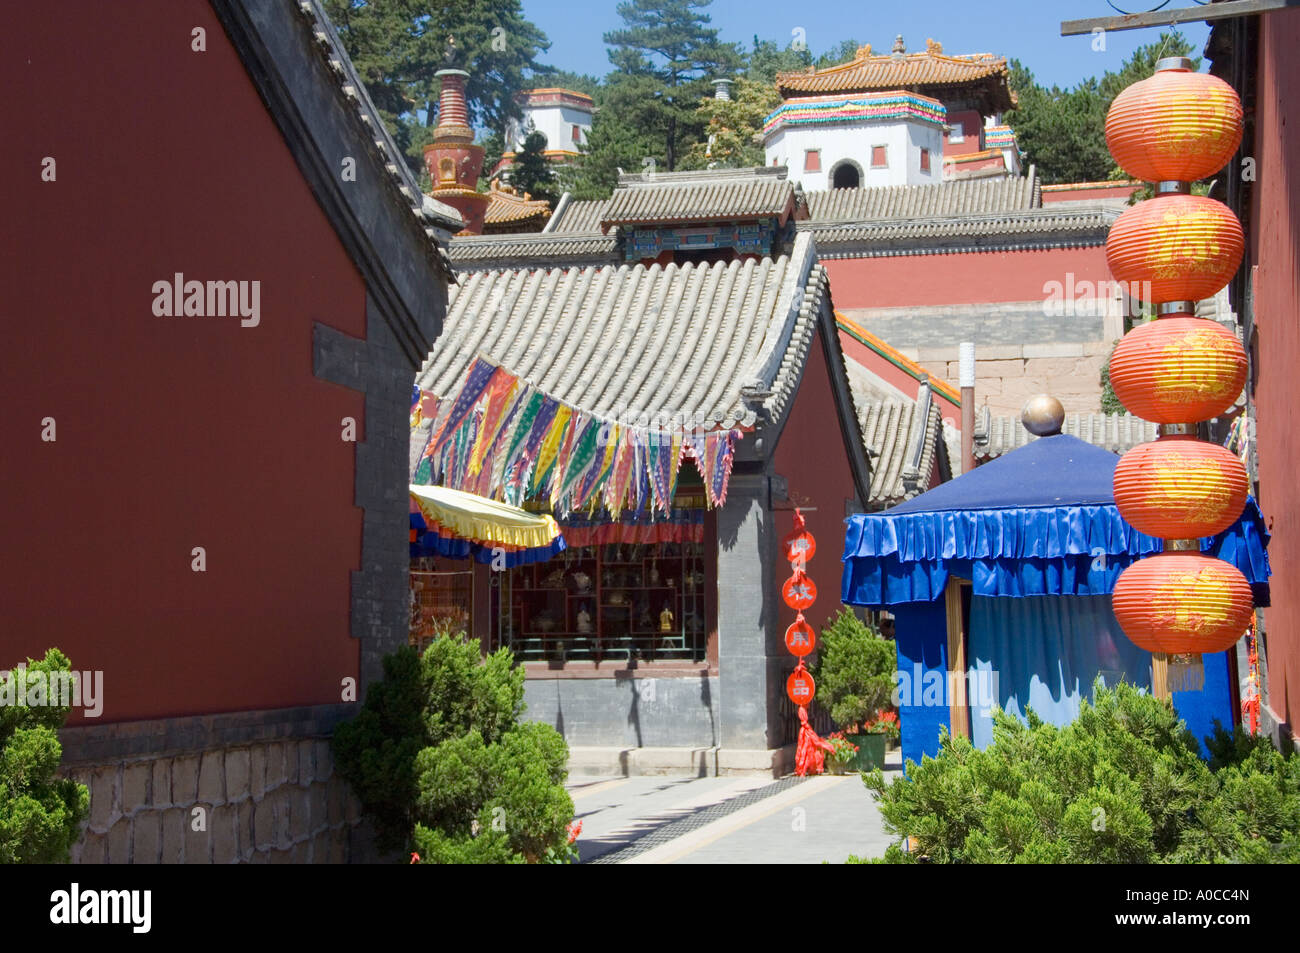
x=799, y=592
x=800, y=685
x=800, y=639
x=810, y=752
x=799, y=545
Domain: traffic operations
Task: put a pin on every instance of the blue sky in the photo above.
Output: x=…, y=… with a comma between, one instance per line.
x=1028, y=30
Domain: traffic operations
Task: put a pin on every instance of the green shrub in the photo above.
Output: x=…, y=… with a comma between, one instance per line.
x=1123, y=783
x=855, y=673
x=40, y=815
x=441, y=763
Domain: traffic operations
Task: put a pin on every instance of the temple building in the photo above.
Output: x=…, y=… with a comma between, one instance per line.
x=916, y=270
x=896, y=119
x=686, y=313
x=562, y=116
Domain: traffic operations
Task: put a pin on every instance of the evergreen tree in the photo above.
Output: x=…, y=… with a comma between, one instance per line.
x=441, y=762
x=40, y=813
x=563, y=79
x=531, y=171
x=731, y=127
x=846, y=50
x=1063, y=131
x=664, y=56
x=767, y=59
x=1122, y=783
x=398, y=45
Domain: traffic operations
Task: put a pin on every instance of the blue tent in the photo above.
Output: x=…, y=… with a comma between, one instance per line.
x=1019, y=534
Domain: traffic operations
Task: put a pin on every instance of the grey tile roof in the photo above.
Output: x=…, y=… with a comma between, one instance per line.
x=535, y=250
x=577, y=217
x=707, y=196
x=903, y=437
x=1035, y=226
x=960, y=197
x=720, y=344
x=1117, y=433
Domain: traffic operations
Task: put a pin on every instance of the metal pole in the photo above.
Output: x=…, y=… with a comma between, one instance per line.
x=966, y=365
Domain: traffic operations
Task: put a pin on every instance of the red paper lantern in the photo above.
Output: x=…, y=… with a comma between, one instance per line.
x=800, y=639
x=1180, y=488
x=1176, y=125
x=1175, y=248
x=1178, y=369
x=799, y=592
x=800, y=686
x=1182, y=602
x=799, y=546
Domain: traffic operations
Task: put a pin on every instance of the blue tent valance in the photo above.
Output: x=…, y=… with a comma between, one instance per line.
x=1050, y=544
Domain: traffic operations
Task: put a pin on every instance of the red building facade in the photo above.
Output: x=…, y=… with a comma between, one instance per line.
x=214, y=303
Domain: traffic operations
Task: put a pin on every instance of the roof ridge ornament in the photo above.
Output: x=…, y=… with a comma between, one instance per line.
x=933, y=47
x=899, y=47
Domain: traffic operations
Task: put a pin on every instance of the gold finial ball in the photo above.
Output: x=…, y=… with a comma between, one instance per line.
x=1043, y=415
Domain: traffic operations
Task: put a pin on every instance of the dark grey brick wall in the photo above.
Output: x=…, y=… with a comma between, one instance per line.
x=986, y=324
x=628, y=712
x=379, y=588
x=748, y=664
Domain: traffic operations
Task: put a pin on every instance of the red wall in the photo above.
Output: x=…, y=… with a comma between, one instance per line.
x=970, y=278
x=179, y=432
x=1275, y=238
x=812, y=457
x=1090, y=194
x=971, y=123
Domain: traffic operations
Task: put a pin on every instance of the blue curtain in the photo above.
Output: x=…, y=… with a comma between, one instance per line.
x=921, y=639
x=1043, y=652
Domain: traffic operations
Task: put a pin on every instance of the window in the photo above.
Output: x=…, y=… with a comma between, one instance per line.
x=925, y=160
x=956, y=134
x=879, y=158
x=577, y=133
x=440, y=602
x=619, y=602
x=845, y=176
x=812, y=160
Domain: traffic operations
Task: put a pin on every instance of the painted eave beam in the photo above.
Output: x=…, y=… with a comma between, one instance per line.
x=1209, y=12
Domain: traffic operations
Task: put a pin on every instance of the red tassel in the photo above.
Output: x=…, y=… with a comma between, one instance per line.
x=810, y=752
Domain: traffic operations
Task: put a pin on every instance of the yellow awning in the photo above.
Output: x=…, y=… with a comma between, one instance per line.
x=482, y=520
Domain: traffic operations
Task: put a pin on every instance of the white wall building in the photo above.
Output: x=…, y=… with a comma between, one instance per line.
x=561, y=115
x=892, y=138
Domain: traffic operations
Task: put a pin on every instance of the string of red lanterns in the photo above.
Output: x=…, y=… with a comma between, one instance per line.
x=1172, y=129
x=799, y=593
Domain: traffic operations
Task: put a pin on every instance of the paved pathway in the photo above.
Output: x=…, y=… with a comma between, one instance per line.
x=674, y=820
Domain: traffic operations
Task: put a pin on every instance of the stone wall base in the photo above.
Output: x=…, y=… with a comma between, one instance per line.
x=588, y=761
x=262, y=802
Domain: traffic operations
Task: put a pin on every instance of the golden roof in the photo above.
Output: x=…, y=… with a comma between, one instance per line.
x=509, y=207
x=911, y=71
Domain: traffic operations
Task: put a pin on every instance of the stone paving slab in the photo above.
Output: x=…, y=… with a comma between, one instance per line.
x=837, y=820
x=728, y=820
x=616, y=813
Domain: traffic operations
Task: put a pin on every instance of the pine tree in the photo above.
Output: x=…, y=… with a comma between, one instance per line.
x=663, y=57
x=398, y=45
x=531, y=171
x=1062, y=131
x=40, y=813
x=1123, y=783
x=441, y=762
